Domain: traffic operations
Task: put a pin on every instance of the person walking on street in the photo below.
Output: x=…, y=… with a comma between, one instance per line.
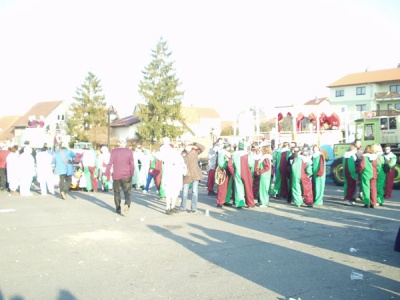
x=121, y=160
x=63, y=160
x=193, y=175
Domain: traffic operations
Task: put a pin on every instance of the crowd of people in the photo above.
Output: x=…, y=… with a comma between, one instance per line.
x=251, y=174
x=373, y=168
x=239, y=175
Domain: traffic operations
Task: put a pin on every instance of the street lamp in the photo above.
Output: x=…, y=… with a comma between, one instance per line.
x=110, y=113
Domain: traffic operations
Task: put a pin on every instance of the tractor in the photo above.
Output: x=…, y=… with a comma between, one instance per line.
x=384, y=130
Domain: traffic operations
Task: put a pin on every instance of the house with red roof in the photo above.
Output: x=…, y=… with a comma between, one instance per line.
x=367, y=93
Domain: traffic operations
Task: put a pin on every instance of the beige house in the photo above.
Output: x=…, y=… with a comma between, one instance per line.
x=45, y=122
x=7, y=129
x=367, y=93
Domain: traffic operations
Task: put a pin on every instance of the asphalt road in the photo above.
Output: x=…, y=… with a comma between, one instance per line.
x=80, y=249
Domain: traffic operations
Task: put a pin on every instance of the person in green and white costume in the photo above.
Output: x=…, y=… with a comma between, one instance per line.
x=240, y=166
x=300, y=166
x=319, y=175
x=281, y=181
x=368, y=171
x=225, y=189
x=263, y=169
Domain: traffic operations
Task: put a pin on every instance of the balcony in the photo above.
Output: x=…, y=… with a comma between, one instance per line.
x=386, y=113
x=387, y=96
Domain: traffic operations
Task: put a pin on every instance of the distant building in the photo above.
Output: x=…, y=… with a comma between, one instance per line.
x=199, y=122
x=367, y=93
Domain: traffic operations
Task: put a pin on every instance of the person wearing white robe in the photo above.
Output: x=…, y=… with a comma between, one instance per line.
x=44, y=169
x=174, y=169
x=27, y=171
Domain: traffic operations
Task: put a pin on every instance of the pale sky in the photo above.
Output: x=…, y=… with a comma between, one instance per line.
x=228, y=54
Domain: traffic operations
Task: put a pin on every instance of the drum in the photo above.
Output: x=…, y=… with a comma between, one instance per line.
x=220, y=176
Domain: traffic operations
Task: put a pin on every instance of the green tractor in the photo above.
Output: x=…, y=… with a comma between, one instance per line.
x=383, y=130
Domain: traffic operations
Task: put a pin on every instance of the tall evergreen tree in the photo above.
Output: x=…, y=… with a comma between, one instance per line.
x=159, y=89
x=88, y=112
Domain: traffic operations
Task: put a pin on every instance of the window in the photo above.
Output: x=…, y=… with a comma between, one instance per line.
x=369, y=132
x=361, y=107
x=360, y=90
x=395, y=88
x=339, y=93
x=389, y=106
x=392, y=123
x=397, y=106
x=384, y=123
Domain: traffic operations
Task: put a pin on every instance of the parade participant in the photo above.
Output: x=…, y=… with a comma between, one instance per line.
x=256, y=154
x=283, y=169
x=159, y=169
x=276, y=158
x=3, y=168
x=295, y=165
x=212, y=165
x=350, y=174
x=137, y=158
x=225, y=189
x=305, y=178
x=26, y=161
x=319, y=175
x=263, y=169
x=13, y=170
x=89, y=165
x=104, y=159
x=240, y=166
x=389, y=167
x=193, y=175
x=150, y=176
x=174, y=169
x=294, y=151
x=145, y=161
x=275, y=153
x=359, y=154
x=368, y=170
x=63, y=159
x=44, y=169
x=380, y=181
x=121, y=162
